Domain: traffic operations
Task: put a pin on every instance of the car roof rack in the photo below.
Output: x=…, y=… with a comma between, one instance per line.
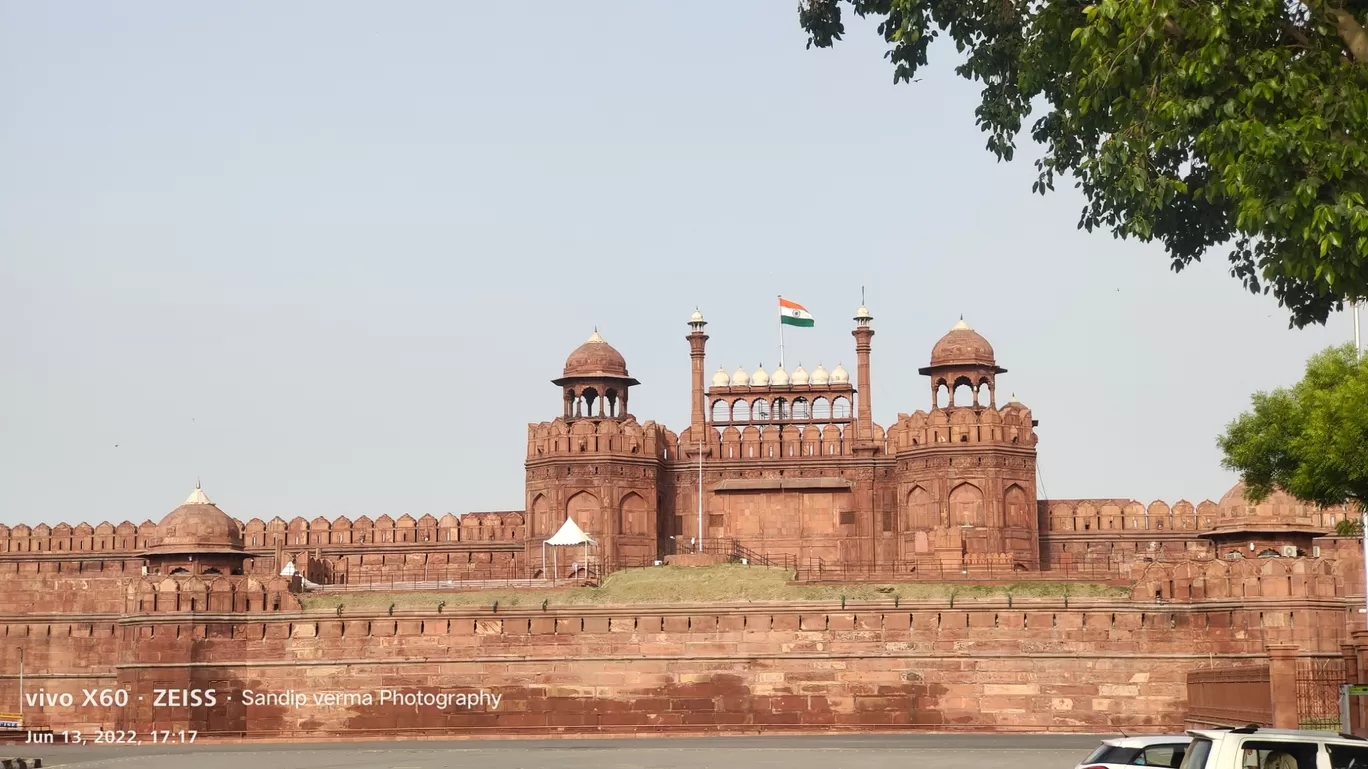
x=1246, y=729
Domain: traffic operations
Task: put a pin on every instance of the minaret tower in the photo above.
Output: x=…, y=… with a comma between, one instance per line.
x=697, y=340
x=864, y=422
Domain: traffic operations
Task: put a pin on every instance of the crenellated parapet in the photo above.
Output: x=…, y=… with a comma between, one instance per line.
x=221, y=594
x=505, y=526
x=1010, y=425
x=1232, y=514
x=105, y=537
x=583, y=437
x=129, y=540
x=1106, y=516
x=771, y=442
x=1215, y=580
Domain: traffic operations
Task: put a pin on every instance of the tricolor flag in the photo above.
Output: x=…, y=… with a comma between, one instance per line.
x=794, y=314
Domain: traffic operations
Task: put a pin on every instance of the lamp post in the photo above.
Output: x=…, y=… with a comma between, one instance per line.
x=21, y=684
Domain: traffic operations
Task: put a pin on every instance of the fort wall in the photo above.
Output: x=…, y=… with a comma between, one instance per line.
x=1084, y=665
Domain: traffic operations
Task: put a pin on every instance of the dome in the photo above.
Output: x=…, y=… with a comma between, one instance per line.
x=962, y=346
x=779, y=377
x=697, y=317
x=820, y=376
x=595, y=358
x=740, y=378
x=760, y=378
x=197, y=526
x=1280, y=508
x=1278, y=505
x=839, y=375
x=720, y=379
x=800, y=376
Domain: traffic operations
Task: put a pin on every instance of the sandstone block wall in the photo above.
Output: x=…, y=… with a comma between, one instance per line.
x=1037, y=665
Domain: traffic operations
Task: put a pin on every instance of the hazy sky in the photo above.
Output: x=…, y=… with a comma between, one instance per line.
x=328, y=255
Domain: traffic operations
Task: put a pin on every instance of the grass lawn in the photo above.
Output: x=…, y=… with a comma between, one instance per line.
x=703, y=584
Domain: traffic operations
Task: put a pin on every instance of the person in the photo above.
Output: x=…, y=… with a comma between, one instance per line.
x=1279, y=760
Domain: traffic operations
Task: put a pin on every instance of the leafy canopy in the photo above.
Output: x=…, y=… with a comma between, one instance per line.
x=1310, y=440
x=1197, y=123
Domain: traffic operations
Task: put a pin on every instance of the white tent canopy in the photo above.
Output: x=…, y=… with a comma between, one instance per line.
x=570, y=534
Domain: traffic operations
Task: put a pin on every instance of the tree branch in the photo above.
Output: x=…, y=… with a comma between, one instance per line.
x=1350, y=30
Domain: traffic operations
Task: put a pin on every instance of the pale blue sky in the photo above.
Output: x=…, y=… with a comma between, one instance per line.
x=328, y=255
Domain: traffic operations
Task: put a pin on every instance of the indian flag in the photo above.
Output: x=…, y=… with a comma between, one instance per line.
x=794, y=314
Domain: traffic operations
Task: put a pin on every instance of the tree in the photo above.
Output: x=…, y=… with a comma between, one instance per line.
x=1197, y=123
x=1310, y=440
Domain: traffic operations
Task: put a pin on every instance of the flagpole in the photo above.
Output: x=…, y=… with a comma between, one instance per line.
x=781, y=332
x=700, y=495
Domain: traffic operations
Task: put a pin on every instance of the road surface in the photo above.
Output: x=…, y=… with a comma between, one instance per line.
x=919, y=751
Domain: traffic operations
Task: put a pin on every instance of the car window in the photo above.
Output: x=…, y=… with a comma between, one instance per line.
x=1348, y=756
x=1111, y=754
x=1167, y=756
x=1096, y=755
x=1269, y=754
x=1196, y=755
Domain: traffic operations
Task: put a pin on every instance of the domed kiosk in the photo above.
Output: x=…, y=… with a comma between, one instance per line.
x=596, y=381
x=196, y=538
x=1279, y=526
x=963, y=357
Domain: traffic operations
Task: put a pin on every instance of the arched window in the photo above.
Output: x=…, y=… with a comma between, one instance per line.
x=721, y=412
x=760, y=410
x=740, y=411
x=840, y=408
x=821, y=408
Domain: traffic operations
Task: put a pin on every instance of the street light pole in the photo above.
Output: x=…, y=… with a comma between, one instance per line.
x=1358, y=348
x=21, y=683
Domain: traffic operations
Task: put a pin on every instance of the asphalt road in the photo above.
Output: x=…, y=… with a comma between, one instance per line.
x=913, y=751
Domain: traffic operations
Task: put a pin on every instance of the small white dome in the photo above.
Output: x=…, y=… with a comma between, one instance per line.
x=863, y=312
x=760, y=378
x=779, y=377
x=697, y=317
x=839, y=375
x=740, y=378
x=720, y=379
x=800, y=376
x=820, y=376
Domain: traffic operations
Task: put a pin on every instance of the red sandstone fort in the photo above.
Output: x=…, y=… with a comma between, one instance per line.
x=792, y=471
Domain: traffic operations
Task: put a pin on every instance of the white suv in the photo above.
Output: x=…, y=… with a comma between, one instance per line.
x=1163, y=752
x=1254, y=747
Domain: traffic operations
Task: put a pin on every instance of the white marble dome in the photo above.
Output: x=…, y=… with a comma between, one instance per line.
x=760, y=378
x=720, y=379
x=779, y=377
x=740, y=378
x=839, y=375
x=800, y=375
x=820, y=375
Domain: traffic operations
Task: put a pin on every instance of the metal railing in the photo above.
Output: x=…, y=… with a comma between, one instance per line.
x=819, y=570
x=1226, y=696
x=1318, y=693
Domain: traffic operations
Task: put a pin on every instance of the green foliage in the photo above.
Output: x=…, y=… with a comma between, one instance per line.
x=1197, y=123
x=1310, y=440
x=1349, y=527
